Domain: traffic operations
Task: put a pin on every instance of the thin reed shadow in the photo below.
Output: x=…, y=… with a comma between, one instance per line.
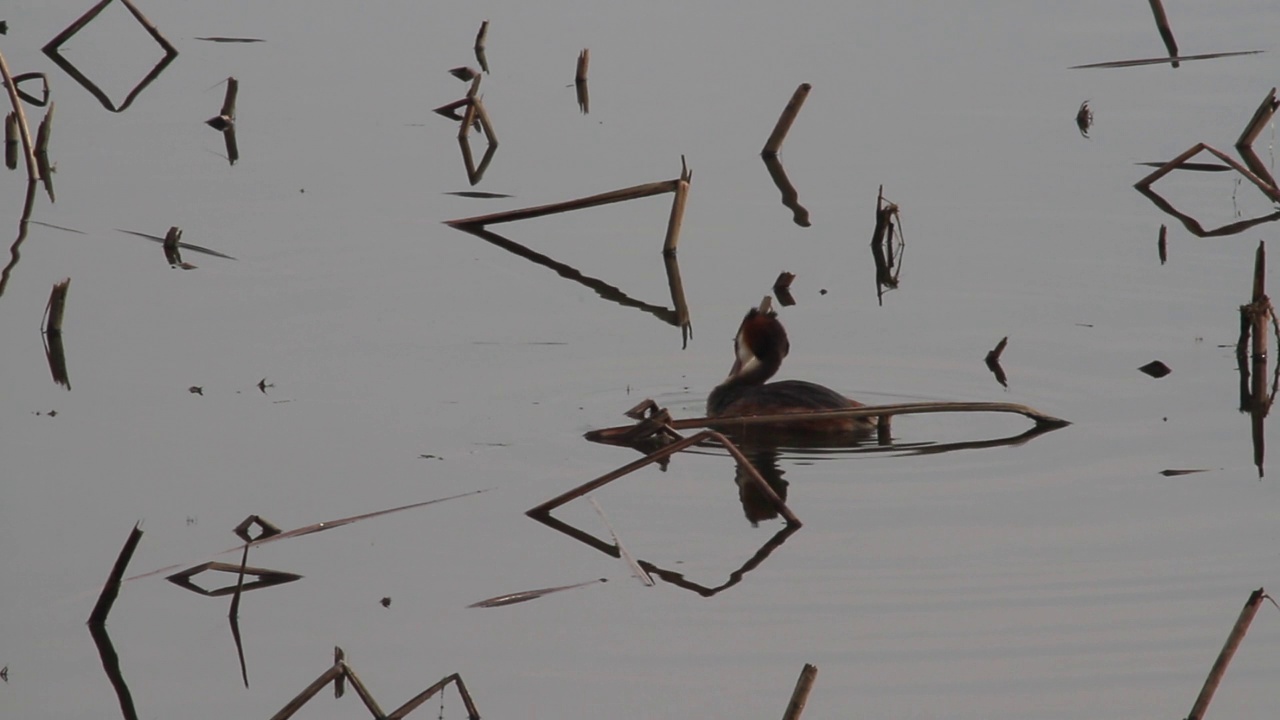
x=51, y=49
x=677, y=316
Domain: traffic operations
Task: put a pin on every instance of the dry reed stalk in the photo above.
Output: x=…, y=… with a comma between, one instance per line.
x=584, y=59
x=24, y=130
x=1166, y=32
x=865, y=411
x=1267, y=189
x=365, y=696
x=1260, y=119
x=1228, y=650
x=55, y=308
x=112, y=588
x=788, y=116
x=676, y=220
x=468, y=117
x=83, y=20
x=614, y=196
x=425, y=695
x=800, y=696
x=294, y=705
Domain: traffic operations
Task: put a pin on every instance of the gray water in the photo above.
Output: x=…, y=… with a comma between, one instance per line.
x=1064, y=577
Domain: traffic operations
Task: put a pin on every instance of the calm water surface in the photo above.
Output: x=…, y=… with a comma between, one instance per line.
x=1060, y=578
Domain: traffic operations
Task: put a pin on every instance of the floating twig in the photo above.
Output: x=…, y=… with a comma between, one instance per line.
x=220, y=39
x=527, y=595
x=1228, y=651
x=112, y=588
x=1162, y=60
x=800, y=696
x=774, y=144
x=631, y=193
x=179, y=244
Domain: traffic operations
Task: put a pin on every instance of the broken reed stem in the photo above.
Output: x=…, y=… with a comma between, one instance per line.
x=1267, y=188
x=1162, y=244
x=789, y=113
x=1228, y=651
x=482, y=36
x=631, y=193
x=328, y=676
x=800, y=696
x=1260, y=119
x=672, y=240
x=411, y=705
x=339, y=683
x=112, y=589
x=24, y=130
x=584, y=59
x=56, y=307
x=1166, y=32
x=361, y=690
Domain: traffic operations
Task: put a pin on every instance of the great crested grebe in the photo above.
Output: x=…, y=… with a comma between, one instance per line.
x=760, y=346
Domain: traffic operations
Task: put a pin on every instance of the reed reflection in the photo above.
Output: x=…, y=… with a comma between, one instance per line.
x=52, y=50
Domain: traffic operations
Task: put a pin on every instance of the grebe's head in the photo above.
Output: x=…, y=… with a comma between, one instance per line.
x=760, y=346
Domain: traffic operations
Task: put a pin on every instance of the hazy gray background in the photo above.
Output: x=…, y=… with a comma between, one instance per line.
x=1060, y=579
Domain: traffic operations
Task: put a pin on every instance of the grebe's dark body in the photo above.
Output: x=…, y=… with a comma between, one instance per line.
x=759, y=348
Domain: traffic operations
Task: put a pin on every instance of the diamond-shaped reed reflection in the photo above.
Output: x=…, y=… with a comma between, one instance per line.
x=266, y=578
x=51, y=49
